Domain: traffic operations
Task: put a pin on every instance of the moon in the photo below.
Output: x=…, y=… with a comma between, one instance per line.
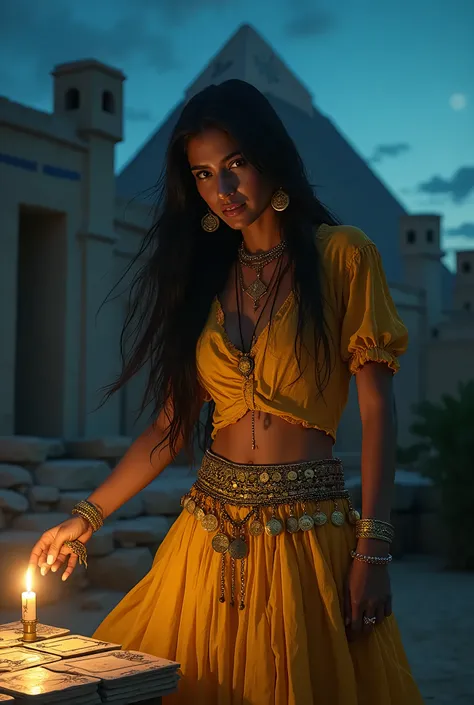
x=458, y=101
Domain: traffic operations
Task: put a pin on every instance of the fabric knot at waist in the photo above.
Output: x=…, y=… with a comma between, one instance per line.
x=268, y=485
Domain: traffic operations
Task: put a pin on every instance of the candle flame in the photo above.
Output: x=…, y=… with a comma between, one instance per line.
x=29, y=580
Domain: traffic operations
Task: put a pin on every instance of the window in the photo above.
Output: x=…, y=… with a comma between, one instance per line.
x=467, y=306
x=411, y=236
x=108, y=102
x=434, y=333
x=465, y=267
x=429, y=236
x=72, y=99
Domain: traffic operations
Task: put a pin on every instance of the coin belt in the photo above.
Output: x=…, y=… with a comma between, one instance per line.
x=221, y=482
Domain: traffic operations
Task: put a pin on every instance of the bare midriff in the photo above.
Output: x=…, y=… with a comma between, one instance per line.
x=277, y=441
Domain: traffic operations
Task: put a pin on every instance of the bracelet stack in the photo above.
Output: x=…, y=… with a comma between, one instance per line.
x=375, y=529
x=90, y=512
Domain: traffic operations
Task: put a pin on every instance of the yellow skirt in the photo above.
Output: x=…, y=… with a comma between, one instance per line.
x=288, y=646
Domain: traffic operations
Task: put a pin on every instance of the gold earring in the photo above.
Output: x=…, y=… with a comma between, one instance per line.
x=210, y=222
x=280, y=200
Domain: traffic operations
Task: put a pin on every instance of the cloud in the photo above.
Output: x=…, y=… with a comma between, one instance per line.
x=458, y=188
x=389, y=150
x=138, y=115
x=464, y=230
x=310, y=24
x=178, y=11
x=36, y=36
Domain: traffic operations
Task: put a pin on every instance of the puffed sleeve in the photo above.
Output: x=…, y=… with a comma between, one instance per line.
x=372, y=330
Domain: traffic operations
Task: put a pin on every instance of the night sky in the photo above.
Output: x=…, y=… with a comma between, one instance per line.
x=397, y=78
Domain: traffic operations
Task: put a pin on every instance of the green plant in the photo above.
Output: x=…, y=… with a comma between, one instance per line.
x=448, y=426
x=411, y=455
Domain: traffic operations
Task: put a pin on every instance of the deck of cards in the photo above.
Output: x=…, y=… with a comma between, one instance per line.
x=43, y=687
x=63, y=667
x=125, y=676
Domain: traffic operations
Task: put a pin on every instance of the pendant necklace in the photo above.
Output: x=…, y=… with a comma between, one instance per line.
x=258, y=262
x=246, y=364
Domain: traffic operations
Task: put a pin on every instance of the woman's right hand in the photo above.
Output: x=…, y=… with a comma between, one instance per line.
x=50, y=553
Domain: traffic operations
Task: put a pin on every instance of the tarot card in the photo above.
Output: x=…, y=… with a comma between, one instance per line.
x=40, y=682
x=18, y=658
x=72, y=645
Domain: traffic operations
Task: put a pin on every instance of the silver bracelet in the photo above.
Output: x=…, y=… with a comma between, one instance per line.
x=374, y=560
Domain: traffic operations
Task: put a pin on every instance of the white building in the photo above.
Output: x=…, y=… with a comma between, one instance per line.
x=68, y=230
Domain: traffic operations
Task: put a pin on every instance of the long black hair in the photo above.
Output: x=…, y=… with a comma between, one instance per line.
x=185, y=267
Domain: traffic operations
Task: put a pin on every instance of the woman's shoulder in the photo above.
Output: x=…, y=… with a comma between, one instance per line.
x=341, y=243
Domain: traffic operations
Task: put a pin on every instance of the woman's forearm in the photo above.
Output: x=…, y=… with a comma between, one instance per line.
x=378, y=463
x=133, y=472
x=375, y=391
x=378, y=469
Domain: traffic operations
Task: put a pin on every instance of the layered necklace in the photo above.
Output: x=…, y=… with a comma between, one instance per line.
x=257, y=262
x=256, y=290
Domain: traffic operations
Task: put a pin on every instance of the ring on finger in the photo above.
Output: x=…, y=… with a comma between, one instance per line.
x=79, y=549
x=370, y=620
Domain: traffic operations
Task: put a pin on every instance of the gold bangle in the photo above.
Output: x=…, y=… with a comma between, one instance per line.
x=375, y=529
x=90, y=512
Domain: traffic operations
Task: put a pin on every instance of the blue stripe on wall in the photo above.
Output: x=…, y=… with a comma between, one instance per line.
x=19, y=162
x=61, y=173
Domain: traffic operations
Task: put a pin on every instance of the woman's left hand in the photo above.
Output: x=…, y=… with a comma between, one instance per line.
x=367, y=594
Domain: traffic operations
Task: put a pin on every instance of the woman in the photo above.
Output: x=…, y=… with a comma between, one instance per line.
x=268, y=589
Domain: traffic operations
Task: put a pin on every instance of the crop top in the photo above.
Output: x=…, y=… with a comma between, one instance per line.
x=361, y=321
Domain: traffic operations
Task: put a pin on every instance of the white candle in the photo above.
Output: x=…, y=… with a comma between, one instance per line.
x=28, y=601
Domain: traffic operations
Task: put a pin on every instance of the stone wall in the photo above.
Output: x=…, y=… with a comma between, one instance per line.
x=42, y=479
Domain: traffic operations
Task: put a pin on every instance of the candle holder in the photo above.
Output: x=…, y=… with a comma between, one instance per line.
x=29, y=629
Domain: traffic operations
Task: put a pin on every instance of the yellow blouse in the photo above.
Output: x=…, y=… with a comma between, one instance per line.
x=362, y=323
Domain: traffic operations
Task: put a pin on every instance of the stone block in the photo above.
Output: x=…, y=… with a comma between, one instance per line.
x=13, y=502
x=143, y=531
x=100, y=600
x=44, y=494
x=22, y=449
x=67, y=500
x=102, y=542
x=163, y=495
x=121, y=570
x=72, y=474
x=13, y=477
x=38, y=522
x=108, y=447
x=55, y=447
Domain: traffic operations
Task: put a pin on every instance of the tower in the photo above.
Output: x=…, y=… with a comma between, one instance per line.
x=464, y=281
x=421, y=258
x=90, y=95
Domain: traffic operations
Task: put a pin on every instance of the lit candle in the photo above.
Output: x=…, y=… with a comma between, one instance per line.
x=28, y=601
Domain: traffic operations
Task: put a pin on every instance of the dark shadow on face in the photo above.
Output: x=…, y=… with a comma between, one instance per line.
x=232, y=188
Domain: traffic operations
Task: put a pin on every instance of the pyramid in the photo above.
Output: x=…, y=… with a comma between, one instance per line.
x=342, y=178
x=247, y=56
